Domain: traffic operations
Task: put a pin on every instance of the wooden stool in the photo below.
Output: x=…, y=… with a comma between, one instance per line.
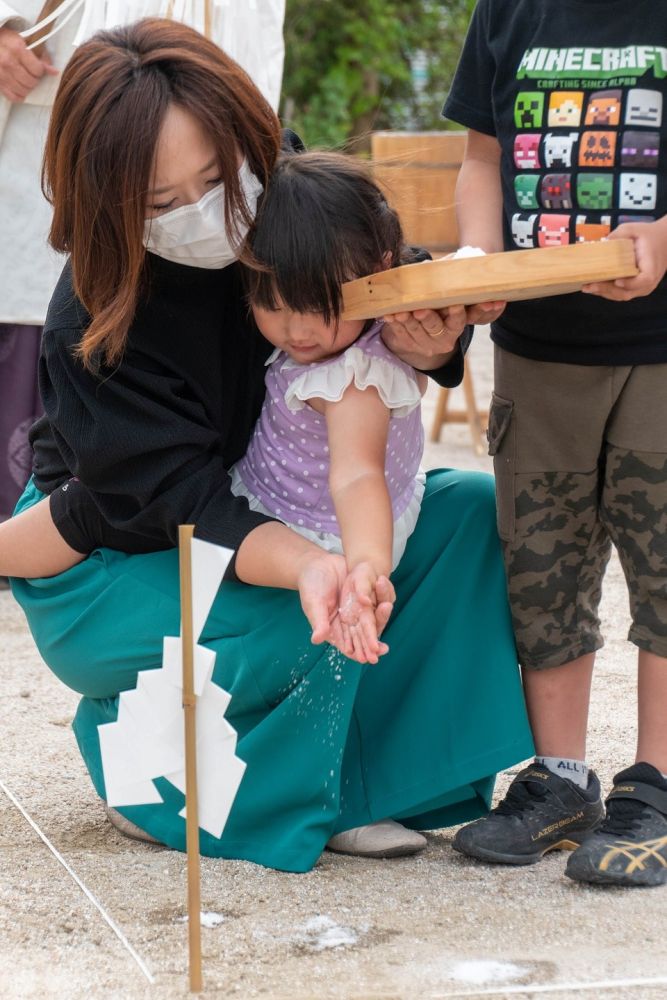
x=477, y=420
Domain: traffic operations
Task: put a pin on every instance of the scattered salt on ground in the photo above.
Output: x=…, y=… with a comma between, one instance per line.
x=207, y=918
x=479, y=972
x=321, y=932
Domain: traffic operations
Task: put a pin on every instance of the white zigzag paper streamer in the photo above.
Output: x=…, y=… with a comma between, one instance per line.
x=147, y=740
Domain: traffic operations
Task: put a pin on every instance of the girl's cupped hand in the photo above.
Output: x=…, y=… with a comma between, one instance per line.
x=321, y=585
x=360, y=609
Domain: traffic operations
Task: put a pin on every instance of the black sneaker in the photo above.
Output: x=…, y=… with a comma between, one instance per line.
x=541, y=812
x=630, y=847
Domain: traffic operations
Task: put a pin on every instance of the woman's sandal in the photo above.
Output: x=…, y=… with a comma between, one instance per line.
x=386, y=839
x=129, y=829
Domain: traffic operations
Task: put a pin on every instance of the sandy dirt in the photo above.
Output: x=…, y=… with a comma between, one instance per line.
x=433, y=926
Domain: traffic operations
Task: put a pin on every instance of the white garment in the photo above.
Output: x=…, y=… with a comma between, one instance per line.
x=248, y=30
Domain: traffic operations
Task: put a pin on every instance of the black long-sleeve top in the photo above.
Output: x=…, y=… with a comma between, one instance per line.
x=151, y=440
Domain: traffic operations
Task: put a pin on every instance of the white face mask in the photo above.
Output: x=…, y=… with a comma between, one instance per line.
x=196, y=234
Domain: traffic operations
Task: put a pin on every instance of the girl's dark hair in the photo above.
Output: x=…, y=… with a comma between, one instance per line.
x=100, y=149
x=322, y=221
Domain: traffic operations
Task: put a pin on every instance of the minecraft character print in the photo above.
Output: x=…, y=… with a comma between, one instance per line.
x=643, y=107
x=529, y=109
x=622, y=219
x=523, y=230
x=565, y=108
x=556, y=191
x=559, y=150
x=527, y=151
x=604, y=108
x=525, y=189
x=553, y=230
x=638, y=191
x=595, y=191
x=640, y=149
x=589, y=230
x=597, y=149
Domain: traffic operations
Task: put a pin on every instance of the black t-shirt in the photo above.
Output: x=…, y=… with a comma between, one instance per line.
x=575, y=91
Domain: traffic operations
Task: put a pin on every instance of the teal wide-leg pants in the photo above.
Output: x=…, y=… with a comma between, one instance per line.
x=328, y=744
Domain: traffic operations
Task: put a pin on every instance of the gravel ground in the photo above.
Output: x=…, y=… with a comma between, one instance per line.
x=429, y=927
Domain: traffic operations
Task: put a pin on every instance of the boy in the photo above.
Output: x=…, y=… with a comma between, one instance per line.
x=566, y=103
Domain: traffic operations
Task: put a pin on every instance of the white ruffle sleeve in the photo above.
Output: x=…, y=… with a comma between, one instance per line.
x=397, y=386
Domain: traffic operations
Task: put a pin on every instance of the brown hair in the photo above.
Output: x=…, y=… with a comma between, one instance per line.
x=100, y=150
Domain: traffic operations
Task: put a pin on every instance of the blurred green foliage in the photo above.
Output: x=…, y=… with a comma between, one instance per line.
x=352, y=67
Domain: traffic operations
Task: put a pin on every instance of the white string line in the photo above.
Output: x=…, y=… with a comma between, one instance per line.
x=555, y=988
x=61, y=24
x=84, y=888
x=60, y=9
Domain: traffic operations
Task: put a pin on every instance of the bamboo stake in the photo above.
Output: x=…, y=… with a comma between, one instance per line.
x=185, y=534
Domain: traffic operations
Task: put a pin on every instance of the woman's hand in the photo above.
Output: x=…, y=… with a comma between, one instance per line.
x=427, y=338
x=650, y=239
x=359, y=607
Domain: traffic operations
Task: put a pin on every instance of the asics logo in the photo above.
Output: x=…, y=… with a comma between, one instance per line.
x=636, y=855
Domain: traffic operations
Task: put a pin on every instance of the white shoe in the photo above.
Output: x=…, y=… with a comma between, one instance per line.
x=386, y=839
x=129, y=829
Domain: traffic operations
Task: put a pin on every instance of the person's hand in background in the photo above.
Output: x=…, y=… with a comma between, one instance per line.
x=20, y=69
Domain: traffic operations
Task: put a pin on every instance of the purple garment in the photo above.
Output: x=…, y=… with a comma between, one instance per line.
x=19, y=408
x=286, y=465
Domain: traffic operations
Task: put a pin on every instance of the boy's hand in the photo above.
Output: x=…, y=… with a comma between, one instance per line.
x=484, y=313
x=650, y=239
x=366, y=604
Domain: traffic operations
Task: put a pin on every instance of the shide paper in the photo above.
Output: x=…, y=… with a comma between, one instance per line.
x=147, y=741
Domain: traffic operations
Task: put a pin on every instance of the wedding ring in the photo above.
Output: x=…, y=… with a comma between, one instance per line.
x=439, y=333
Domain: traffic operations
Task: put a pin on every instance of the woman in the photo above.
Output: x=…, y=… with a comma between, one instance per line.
x=251, y=33
x=152, y=378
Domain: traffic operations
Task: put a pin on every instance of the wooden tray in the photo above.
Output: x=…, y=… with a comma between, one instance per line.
x=520, y=274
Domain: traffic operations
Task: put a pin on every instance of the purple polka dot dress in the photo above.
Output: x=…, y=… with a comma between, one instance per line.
x=285, y=470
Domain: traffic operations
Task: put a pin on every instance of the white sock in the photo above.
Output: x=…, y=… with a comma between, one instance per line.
x=575, y=771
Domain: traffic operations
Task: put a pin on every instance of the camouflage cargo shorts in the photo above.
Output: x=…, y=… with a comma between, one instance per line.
x=580, y=457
